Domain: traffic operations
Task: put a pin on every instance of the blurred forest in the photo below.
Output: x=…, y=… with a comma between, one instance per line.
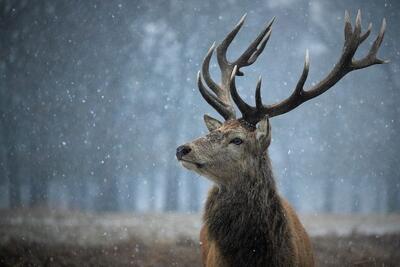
x=95, y=96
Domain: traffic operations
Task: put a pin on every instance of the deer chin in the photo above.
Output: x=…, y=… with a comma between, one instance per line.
x=191, y=165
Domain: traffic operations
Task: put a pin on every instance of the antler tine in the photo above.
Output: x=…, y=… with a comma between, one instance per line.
x=259, y=103
x=221, y=101
x=365, y=35
x=346, y=64
x=224, y=109
x=370, y=58
x=347, y=25
x=256, y=47
x=246, y=110
x=294, y=99
x=223, y=47
x=222, y=98
x=205, y=70
x=251, y=53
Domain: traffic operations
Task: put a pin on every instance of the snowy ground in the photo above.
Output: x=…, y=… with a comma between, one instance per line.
x=91, y=229
x=50, y=236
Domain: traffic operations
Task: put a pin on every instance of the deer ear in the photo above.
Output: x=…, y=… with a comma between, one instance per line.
x=211, y=123
x=263, y=133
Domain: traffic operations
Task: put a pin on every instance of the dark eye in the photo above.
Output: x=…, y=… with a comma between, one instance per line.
x=236, y=141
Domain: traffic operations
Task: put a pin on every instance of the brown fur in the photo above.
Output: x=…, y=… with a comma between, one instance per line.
x=246, y=222
x=302, y=251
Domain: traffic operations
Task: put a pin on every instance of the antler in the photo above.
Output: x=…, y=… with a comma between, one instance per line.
x=220, y=99
x=346, y=64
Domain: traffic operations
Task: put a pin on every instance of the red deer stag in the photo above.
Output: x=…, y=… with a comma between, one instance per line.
x=246, y=221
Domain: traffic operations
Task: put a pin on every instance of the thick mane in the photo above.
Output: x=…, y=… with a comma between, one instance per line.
x=247, y=222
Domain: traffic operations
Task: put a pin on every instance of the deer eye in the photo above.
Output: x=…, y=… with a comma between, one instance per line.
x=236, y=141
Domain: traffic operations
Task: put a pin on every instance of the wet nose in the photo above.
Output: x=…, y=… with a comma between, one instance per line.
x=182, y=151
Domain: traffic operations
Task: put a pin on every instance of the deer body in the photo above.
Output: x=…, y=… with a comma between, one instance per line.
x=246, y=222
x=249, y=224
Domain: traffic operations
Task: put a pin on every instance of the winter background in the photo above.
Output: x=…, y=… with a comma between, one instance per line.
x=95, y=96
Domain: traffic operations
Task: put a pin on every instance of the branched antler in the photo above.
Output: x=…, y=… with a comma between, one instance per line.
x=220, y=97
x=346, y=64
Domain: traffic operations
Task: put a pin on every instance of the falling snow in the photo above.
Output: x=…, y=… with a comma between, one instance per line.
x=95, y=98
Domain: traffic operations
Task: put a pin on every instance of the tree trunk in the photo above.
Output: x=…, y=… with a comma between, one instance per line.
x=355, y=198
x=14, y=191
x=39, y=184
x=77, y=192
x=392, y=190
x=14, y=187
x=172, y=189
x=107, y=198
x=329, y=191
x=193, y=189
x=152, y=189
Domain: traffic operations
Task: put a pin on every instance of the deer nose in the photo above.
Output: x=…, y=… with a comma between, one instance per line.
x=182, y=151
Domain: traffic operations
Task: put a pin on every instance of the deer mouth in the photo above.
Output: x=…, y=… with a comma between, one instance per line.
x=189, y=164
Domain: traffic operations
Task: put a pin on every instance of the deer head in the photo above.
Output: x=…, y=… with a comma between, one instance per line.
x=234, y=148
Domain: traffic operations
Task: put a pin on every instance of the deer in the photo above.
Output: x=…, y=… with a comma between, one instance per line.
x=246, y=222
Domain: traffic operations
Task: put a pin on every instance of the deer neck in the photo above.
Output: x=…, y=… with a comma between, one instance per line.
x=246, y=219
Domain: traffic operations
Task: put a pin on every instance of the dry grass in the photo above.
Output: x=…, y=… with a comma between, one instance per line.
x=131, y=253
x=354, y=250
x=357, y=250
x=43, y=238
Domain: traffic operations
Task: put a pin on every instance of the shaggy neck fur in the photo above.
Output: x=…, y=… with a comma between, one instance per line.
x=247, y=221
